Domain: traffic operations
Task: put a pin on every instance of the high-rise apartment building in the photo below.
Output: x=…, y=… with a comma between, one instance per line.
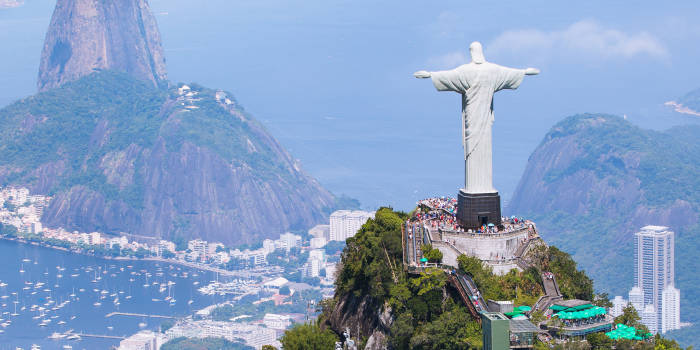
x=619, y=303
x=345, y=223
x=670, y=309
x=636, y=296
x=650, y=318
x=654, y=270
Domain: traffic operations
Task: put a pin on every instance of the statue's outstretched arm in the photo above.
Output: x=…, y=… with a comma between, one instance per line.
x=532, y=71
x=421, y=74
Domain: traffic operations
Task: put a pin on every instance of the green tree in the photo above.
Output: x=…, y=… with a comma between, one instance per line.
x=629, y=317
x=268, y=347
x=453, y=329
x=285, y=290
x=401, y=331
x=372, y=258
x=308, y=337
x=599, y=341
x=433, y=255
x=602, y=300
x=115, y=250
x=429, y=280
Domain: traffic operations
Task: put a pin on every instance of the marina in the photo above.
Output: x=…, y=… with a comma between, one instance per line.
x=56, y=299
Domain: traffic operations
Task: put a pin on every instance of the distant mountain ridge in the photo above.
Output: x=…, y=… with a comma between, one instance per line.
x=595, y=179
x=89, y=35
x=121, y=156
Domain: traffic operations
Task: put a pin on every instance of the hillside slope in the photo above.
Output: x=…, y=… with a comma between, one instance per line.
x=121, y=156
x=596, y=179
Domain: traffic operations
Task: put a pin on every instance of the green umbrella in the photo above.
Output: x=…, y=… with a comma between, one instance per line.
x=525, y=308
x=423, y=260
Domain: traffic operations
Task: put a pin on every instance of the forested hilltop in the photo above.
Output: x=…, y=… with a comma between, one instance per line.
x=596, y=179
x=120, y=155
x=389, y=308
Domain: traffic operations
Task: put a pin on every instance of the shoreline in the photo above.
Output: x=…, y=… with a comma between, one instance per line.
x=125, y=258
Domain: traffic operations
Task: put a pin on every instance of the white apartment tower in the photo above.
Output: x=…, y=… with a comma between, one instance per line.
x=654, y=267
x=636, y=296
x=650, y=318
x=345, y=223
x=670, y=309
x=619, y=303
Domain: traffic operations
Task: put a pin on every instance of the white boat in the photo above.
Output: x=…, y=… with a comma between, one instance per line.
x=56, y=335
x=97, y=303
x=67, y=347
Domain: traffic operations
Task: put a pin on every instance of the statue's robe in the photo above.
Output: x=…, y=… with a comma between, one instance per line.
x=477, y=83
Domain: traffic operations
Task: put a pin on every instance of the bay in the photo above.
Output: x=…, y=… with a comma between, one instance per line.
x=90, y=288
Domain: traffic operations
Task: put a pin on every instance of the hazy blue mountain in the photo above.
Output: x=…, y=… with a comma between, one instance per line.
x=119, y=155
x=596, y=179
x=691, y=100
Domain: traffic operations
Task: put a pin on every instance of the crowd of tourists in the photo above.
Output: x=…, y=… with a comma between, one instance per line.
x=440, y=203
x=441, y=212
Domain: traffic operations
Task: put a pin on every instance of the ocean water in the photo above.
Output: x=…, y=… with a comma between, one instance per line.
x=83, y=281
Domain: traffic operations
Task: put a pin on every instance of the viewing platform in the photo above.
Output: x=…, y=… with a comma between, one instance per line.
x=500, y=247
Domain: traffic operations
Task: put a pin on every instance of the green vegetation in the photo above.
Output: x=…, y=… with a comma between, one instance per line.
x=86, y=127
x=573, y=283
x=372, y=258
x=433, y=255
x=203, y=344
x=425, y=319
x=223, y=313
x=665, y=164
x=522, y=287
x=308, y=337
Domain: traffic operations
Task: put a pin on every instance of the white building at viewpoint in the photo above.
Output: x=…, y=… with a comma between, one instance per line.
x=345, y=223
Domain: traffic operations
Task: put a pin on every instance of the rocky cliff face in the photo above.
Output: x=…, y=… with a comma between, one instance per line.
x=596, y=179
x=363, y=319
x=121, y=156
x=89, y=35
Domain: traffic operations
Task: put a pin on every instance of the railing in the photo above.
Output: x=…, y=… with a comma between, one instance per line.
x=504, y=234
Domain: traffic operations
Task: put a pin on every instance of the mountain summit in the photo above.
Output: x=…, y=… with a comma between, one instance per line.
x=89, y=35
x=119, y=155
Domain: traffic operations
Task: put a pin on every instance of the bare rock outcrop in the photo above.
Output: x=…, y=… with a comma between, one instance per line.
x=90, y=35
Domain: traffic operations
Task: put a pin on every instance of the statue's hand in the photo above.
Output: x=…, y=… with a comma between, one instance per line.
x=532, y=71
x=421, y=74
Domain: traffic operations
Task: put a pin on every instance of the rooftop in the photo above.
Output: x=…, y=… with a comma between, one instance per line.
x=522, y=326
x=495, y=316
x=571, y=303
x=654, y=230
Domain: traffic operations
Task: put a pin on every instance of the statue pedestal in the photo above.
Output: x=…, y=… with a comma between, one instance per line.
x=477, y=209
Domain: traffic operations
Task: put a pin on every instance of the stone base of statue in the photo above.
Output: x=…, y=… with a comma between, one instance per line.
x=477, y=209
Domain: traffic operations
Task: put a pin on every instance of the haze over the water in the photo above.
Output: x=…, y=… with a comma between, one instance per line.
x=333, y=80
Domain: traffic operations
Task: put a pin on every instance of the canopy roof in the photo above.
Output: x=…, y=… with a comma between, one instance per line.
x=622, y=331
x=577, y=315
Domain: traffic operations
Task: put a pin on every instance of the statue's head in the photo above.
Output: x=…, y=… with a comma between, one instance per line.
x=477, y=52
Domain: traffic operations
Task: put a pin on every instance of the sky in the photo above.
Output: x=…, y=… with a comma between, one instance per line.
x=332, y=80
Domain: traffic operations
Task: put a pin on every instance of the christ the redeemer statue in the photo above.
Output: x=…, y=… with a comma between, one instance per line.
x=477, y=81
